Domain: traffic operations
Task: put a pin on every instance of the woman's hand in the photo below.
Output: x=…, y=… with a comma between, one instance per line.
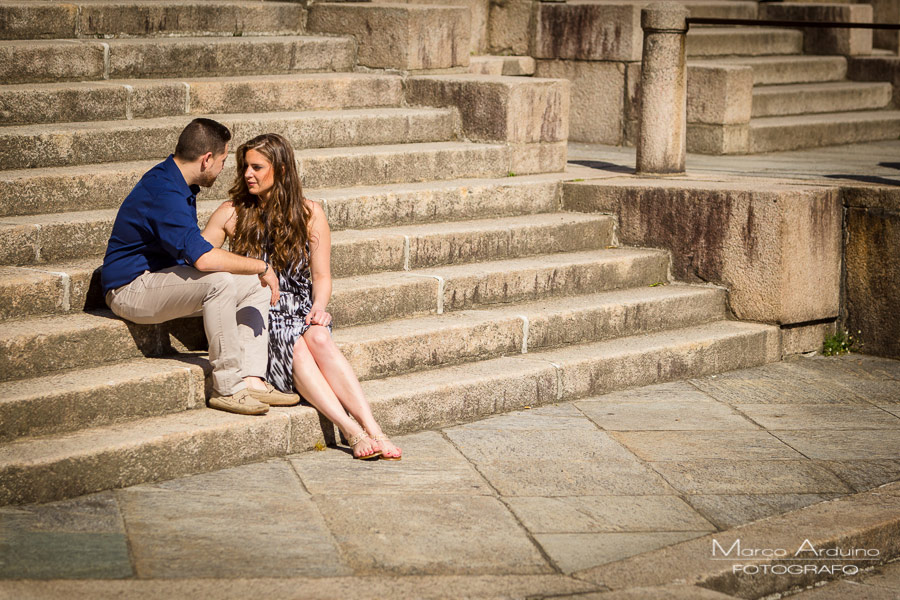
x=318, y=316
x=270, y=279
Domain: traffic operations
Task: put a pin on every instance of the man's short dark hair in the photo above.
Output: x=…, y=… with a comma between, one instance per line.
x=201, y=136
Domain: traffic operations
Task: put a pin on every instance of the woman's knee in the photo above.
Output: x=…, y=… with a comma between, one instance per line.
x=318, y=338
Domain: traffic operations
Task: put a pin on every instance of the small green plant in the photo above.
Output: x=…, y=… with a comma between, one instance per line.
x=576, y=180
x=840, y=343
x=657, y=283
x=511, y=174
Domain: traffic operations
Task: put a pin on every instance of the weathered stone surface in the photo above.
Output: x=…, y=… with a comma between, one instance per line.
x=850, y=444
x=756, y=41
x=806, y=338
x=578, y=551
x=199, y=57
x=30, y=61
x=727, y=443
x=466, y=286
x=495, y=108
x=568, y=466
x=819, y=416
x=769, y=134
x=399, y=36
x=83, y=538
x=74, y=400
x=828, y=97
x=296, y=92
x=713, y=476
x=818, y=40
x=863, y=475
x=26, y=292
x=501, y=65
x=776, y=247
x=543, y=157
x=718, y=139
x=61, y=102
x=777, y=70
x=597, y=98
x=873, y=278
x=607, y=514
x=390, y=295
x=33, y=21
x=401, y=587
x=103, y=458
x=661, y=141
x=509, y=27
x=478, y=9
x=719, y=94
x=430, y=465
x=452, y=534
x=158, y=18
x=727, y=511
x=866, y=520
x=587, y=31
x=177, y=526
x=688, y=411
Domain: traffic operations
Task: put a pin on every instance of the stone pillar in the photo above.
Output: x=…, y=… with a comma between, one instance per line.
x=663, y=116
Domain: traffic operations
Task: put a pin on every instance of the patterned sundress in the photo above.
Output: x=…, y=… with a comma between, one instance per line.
x=287, y=323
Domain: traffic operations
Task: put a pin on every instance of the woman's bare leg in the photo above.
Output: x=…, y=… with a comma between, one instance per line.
x=312, y=385
x=343, y=382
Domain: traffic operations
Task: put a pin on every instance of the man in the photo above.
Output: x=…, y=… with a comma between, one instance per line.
x=158, y=267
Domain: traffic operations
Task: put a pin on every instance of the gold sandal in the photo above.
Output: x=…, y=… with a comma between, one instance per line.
x=384, y=438
x=356, y=439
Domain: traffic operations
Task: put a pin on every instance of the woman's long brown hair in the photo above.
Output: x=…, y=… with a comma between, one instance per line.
x=281, y=227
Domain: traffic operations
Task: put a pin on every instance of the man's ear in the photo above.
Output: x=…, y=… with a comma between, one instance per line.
x=206, y=161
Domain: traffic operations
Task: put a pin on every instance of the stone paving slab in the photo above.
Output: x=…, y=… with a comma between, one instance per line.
x=505, y=507
x=731, y=510
x=692, y=445
x=227, y=524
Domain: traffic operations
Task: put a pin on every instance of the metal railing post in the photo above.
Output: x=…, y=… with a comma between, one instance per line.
x=662, y=123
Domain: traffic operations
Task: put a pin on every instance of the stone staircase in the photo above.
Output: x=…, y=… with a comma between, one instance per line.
x=797, y=100
x=459, y=289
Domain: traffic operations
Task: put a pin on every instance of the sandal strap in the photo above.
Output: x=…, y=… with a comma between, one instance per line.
x=355, y=439
x=380, y=438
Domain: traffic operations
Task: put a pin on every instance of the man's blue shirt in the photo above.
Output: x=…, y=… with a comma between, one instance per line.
x=156, y=228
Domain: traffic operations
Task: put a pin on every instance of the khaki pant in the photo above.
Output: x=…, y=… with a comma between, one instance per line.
x=235, y=311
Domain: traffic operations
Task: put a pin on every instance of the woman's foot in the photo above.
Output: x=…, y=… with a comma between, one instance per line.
x=389, y=451
x=363, y=447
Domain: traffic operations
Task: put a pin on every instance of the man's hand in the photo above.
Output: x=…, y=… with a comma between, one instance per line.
x=318, y=316
x=270, y=279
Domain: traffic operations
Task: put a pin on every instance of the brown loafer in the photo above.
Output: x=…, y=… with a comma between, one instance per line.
x=273, y=397
x=240, y=402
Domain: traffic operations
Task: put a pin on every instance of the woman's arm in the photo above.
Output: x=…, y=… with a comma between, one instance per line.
x=220, y=225
x=319, y=265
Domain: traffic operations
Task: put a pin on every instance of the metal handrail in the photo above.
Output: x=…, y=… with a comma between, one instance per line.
x=800, y=24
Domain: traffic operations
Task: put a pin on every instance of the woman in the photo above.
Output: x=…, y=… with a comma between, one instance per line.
x=268, y=218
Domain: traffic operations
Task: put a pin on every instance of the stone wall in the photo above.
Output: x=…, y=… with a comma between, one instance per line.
x=871, y=286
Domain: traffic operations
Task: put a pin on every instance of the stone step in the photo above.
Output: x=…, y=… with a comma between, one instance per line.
x=99, y=396
x=809, y=131
x=43, y=20
x=57, y=189
x=808, y=98
x=95, y=396
x=743, y=41
x=60, y=288
x=69, y=144
x=27, y=104
x=39, y=239
x=721, y=9
x=52, y=467
x=44, y=345
x=501, y=65
x=36, y=61
x=777, y=70
x=394, y=347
